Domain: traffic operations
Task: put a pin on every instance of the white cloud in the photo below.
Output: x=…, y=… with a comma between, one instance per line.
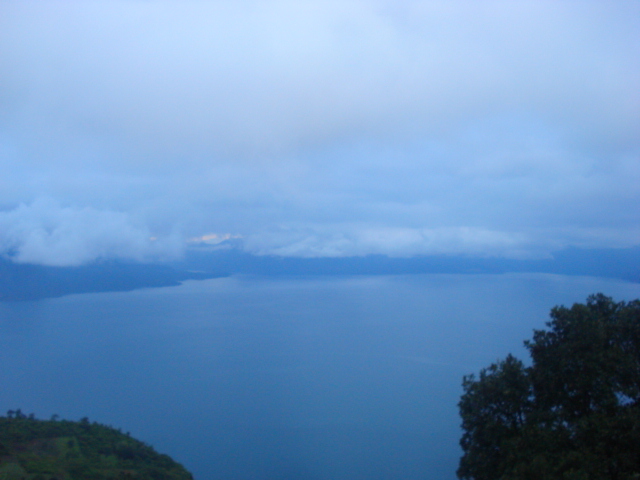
x=48, y=234
x=349, y=240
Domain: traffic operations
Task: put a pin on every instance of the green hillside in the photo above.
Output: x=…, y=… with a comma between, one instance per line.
x=32, y=449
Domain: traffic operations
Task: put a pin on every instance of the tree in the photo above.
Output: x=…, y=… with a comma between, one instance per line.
x=494, y=409
x=573, y=414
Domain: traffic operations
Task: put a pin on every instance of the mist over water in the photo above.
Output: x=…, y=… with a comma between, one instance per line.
x=281, y=378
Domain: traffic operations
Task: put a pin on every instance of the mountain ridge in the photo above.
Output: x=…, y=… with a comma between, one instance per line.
x=32, y=282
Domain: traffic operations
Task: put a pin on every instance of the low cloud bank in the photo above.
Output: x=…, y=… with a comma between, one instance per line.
x=47, y=233
x=352, y=240
x=345, y=241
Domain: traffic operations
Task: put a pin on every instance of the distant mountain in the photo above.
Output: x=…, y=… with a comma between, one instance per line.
x=30, y=282
x=612, y=263
x=33, y=449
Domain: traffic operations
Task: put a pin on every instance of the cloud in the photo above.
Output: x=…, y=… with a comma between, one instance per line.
x=254, y=79
x=305, y=126
x=213, y=238
x=340, y=241
x=48, y=234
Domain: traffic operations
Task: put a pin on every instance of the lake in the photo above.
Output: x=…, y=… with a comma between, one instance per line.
x=314, y=378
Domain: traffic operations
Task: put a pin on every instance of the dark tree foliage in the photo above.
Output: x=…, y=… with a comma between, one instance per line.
x=573, y=414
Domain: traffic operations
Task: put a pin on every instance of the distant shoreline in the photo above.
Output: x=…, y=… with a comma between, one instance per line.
x=24, y=282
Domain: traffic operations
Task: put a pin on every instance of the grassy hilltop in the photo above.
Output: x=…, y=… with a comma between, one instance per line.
x=32, y=449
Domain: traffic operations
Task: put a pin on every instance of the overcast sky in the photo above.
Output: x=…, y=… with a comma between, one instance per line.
x=317, y=128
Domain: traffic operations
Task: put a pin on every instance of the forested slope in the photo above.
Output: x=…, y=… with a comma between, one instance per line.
x=32, y=449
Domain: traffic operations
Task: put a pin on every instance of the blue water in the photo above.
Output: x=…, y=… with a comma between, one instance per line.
x=271, y=378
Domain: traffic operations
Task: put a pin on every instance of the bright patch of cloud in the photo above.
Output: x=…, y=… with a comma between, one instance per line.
x=213, y=238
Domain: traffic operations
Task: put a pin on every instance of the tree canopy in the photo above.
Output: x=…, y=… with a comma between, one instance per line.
x=573, y=414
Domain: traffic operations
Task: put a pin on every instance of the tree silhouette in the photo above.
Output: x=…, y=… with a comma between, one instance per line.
x=573, y=414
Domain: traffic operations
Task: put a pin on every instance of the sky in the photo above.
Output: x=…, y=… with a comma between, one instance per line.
x=135, y=129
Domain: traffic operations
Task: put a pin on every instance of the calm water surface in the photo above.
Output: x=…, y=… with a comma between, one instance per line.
x=270, y=378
